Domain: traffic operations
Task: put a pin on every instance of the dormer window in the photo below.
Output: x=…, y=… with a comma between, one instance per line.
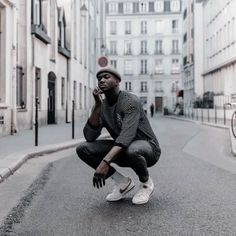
x=39, y=20
x=37, y=12
x=63, y=48
x=62, y=35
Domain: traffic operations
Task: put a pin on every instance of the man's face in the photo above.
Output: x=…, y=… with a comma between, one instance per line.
x=107, y=81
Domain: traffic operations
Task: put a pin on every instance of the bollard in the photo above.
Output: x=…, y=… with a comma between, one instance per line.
x=36, y=120
x=208, y=117
x=224, y=115
x=202, y=114
x=197, y=113
x=215, y=115
x=73, y=119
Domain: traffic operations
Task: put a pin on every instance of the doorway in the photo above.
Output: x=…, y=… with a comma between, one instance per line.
x=158, y=104
x=51, y=98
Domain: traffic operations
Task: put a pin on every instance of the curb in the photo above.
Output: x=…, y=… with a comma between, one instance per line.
x=14, y=161
x=231, y=136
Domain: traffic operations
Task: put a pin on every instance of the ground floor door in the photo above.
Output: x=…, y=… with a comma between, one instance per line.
x=51, y=98
x=158, y=104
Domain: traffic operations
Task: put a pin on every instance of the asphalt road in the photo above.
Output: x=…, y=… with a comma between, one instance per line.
x=193, y=194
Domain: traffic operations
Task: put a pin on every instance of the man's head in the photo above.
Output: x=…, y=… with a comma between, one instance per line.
x=108, y=79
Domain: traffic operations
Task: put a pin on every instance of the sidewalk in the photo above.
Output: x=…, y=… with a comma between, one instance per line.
x=18, y=148
x=218, y=125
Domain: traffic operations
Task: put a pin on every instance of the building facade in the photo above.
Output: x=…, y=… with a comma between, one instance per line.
x=143, y=41
x=8, y=65
x=220, y=50
x=192, y=51
x=49, y=56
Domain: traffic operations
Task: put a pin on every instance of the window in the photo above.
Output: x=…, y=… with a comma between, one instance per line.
x=175, y=26
x=120, y=7
x=128, y=46
x=158, y=47
x=159, y=6
x=151, y=7
x=158, y=66
x=192, y=33
x=114, y=64
x=175, y=66
x=128, y=67
x=159, y=26
x=113, y=48
x=158, y=86
x=144, y=86
x=166, y=6
x=135, y=7
x=185, y=37
x=175, y=46
x=52, y=32
x=127, y=27
x=143, y=6
x=20, y=95
x=85, y=97
x=62, y=92
x=185, y=13
x=112, y=8
x=143, y=27
x=37, y=12
x=75, y=93
x=185, y=61
x=113, y=27
x=127, y=7
x=175, y=6
x=143, y=67
x=62, y=35
x=143, y=46
x=80, y=96
x=128, y=86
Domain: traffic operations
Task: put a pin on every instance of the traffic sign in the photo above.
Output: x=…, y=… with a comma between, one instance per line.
x=102, y=61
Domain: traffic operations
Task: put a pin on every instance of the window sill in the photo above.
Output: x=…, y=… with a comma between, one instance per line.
x=21, y=109
x=3, y=106
x=64, y=52
x=40, y=34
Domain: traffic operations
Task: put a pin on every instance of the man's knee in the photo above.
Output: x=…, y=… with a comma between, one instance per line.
x=83, y=150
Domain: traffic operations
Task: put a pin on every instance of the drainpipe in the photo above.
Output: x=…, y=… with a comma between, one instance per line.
x=14, y=60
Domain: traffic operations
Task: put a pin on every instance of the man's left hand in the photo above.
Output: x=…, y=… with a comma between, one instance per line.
x=100, y=175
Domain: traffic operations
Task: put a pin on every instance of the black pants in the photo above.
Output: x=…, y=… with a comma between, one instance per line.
x=138, y=156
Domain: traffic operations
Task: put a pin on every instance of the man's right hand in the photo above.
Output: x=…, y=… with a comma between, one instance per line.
x=97, y=95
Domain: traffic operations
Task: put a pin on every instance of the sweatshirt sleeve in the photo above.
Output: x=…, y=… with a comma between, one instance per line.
x=91, y=133
x=130, y=123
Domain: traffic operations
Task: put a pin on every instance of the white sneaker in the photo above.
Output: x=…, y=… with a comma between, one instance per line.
x=144, y=193
x=120, y=191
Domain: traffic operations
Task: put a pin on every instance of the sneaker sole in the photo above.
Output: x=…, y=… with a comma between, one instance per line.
x=143, y=202
x=122, y=196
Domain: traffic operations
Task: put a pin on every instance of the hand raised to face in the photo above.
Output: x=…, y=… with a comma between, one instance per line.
x=97, y=95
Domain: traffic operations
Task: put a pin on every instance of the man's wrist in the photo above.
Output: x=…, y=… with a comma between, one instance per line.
x=107, y=161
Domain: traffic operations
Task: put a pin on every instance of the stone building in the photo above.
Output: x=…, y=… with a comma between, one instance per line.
x=48, y=51
x=220, y=49
x=143, y=41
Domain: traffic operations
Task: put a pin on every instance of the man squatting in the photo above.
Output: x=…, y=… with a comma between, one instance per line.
x=134, y=143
